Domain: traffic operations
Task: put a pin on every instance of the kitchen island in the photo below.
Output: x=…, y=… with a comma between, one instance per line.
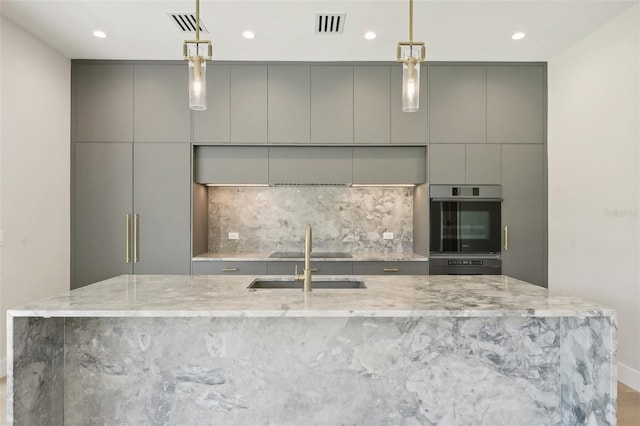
x=200, y=350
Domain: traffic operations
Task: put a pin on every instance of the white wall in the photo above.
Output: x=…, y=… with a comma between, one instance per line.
x=34, y=171
x=594, y=181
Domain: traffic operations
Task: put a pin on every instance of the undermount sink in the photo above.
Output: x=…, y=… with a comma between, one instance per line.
x=269, y=283
x=300, y=254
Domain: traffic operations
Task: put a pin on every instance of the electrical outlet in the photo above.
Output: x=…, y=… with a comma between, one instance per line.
x=387, y=235
x=234, y=235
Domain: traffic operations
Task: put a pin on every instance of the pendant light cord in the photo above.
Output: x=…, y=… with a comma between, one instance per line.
x=197, y=22
x=411, y=22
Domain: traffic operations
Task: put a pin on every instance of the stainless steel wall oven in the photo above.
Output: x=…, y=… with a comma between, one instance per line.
x=465, y=229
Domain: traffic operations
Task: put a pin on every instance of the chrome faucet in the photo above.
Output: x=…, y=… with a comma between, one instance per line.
x=307, y=261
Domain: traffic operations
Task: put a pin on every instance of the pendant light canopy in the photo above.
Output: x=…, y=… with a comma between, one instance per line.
x=411, y=54
x=197, y=52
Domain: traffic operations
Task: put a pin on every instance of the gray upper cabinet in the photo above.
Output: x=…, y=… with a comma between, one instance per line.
x=104, y=102
x=473, y=164
x=524, y=212
x=161, y=103
x=482, y=164
x=161, y=194
x=102, y=198
x=289, y=104
x=389, y=165
x=371, y=104
x=331, y=104
x=408, y=127
x=213, y=124
x=310, y=165
x=231, y=164
x=515, y=103
x=249, y=103
x=457, y=103
x=447, y=164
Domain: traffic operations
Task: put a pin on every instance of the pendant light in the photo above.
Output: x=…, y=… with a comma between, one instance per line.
x=197, y=52
x=411, y=54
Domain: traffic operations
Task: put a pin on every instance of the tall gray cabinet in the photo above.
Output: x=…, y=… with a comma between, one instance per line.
x=131, y=195
x=524, y=209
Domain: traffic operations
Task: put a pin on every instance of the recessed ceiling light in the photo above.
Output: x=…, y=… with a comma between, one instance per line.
x=518, y=36
x=370, y=35
x=248, y=34
x=100, y=34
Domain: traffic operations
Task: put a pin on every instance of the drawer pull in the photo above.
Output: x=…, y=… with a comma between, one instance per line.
x=391, y=270
x=314, y=269
x=229, y=269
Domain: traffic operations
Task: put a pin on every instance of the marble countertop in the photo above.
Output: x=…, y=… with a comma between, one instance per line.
x=385, y=296
x=357, y=257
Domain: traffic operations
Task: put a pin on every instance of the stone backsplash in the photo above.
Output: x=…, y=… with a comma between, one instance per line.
x=343, y=219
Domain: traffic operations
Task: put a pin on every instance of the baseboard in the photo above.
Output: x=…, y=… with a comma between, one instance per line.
x=629, y=376
x=3, y=367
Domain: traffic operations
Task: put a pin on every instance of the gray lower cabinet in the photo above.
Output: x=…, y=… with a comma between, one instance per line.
x=161, y=103
x=104, y=102
x=310, y=164
x=524, y=212
x=221, y=267
x=457, y=103
x=389, y=165
x=289, y=104
x=318, y=268
x=102, y=198
x=371, y=104
x=390, y=268
x=231, y=164
x=130, y=216
x=331, y=104
x=213, y=124
x=249, y=103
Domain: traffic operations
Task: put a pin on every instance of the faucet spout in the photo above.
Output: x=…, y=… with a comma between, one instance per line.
x=306, y=277
x=307, y=258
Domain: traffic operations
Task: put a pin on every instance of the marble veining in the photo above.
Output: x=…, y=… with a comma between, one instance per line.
x=402, y=295
x=409, y=350
x=343, y=219
x=321, y=371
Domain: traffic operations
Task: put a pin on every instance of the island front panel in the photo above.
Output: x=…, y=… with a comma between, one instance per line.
x=268, y=370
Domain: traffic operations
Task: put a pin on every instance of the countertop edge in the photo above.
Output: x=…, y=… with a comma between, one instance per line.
x=40, y=313
x=356, y=257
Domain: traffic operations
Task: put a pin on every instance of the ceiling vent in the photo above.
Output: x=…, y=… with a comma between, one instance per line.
x=330, y=23
x=186, y=22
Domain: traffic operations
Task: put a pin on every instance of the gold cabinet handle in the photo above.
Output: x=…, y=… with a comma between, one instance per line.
x=136, y=257
x=390, y=269
x=314, y=269
x=229, y=269
x=127, y=249
x=506, y=237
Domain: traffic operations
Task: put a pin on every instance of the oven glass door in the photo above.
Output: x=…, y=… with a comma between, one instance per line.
x=465, y=226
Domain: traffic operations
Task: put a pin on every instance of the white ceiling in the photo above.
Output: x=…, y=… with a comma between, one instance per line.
x=453, y=30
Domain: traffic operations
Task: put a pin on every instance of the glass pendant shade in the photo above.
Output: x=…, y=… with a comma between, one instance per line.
x=198, y=83
x=411, y=56
x=410, y=86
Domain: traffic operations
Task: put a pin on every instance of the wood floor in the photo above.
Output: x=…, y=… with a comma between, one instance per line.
x=628, y=405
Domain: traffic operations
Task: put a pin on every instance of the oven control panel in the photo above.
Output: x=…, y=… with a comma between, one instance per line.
x=459, y=262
